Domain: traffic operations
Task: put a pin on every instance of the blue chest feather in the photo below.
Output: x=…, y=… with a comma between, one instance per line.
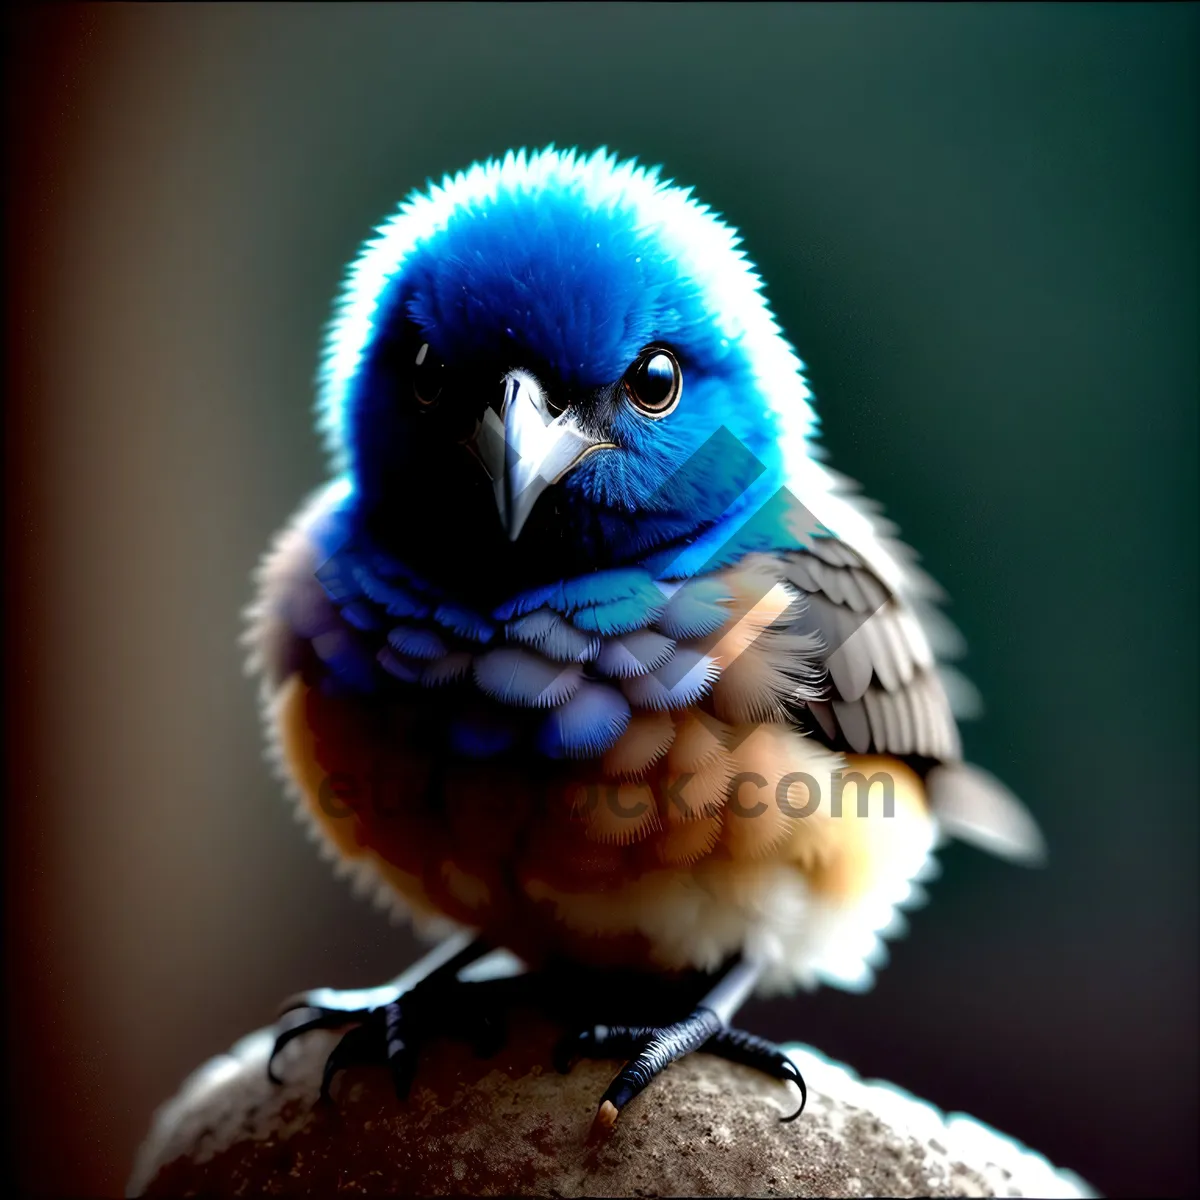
x=558, y=669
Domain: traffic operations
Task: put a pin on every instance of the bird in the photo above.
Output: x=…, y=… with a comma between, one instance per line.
x=584, y=654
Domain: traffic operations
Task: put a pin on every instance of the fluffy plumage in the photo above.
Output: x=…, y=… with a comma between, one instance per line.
x=615, y=728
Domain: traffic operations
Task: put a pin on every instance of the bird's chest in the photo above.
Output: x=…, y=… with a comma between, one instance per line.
x=575, y=739
x=513, y=842
x=394, y=771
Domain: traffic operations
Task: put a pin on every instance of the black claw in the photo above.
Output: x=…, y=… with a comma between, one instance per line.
x=789, y=1071
x=391, y=1034
x=322, y=1020
x=736, y=1045
x=357, y=1048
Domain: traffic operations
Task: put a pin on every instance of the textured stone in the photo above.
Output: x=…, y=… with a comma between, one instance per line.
x=512, y=1125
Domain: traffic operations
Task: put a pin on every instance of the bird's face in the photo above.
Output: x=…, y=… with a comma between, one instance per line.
x=543, y=378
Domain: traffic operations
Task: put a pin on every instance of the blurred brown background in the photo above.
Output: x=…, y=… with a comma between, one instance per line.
x=977, y=223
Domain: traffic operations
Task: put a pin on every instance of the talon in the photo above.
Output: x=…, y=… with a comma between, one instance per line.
x=736, y=1045
x=354, y=1050
x=803, y=1102
x=798, y=1080
x=295, y=1030
x=390, y=1023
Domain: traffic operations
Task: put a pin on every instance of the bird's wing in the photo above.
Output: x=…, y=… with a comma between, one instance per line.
x=883, y=648
x=883, y=692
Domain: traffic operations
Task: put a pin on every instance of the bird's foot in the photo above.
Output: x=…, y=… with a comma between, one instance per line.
x=388, y=1025
x=651, y=1048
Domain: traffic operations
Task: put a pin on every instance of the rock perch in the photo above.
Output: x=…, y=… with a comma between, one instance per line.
x=511, y=1125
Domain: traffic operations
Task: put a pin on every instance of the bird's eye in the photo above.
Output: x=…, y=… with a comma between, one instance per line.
x=429, y=376
x=654, y=383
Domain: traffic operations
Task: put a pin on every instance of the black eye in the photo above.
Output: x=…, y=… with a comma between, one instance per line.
x=429, y=376
x=654, y=383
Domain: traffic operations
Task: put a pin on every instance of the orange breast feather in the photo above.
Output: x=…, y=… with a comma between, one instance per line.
x=557, y=857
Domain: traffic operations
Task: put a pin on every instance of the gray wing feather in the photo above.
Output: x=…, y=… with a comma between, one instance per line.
x=978, y=808
x=853, y=724
x=884, y=693
x=887, y=691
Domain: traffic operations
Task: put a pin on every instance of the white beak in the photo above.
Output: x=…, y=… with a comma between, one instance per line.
x=525, y=448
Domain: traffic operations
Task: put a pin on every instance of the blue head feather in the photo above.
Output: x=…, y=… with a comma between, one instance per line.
x=567, y=267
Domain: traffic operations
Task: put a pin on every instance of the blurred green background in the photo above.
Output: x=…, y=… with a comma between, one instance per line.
x=978, y=226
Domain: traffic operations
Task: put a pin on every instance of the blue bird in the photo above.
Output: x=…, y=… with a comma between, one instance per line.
x=579, y=649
